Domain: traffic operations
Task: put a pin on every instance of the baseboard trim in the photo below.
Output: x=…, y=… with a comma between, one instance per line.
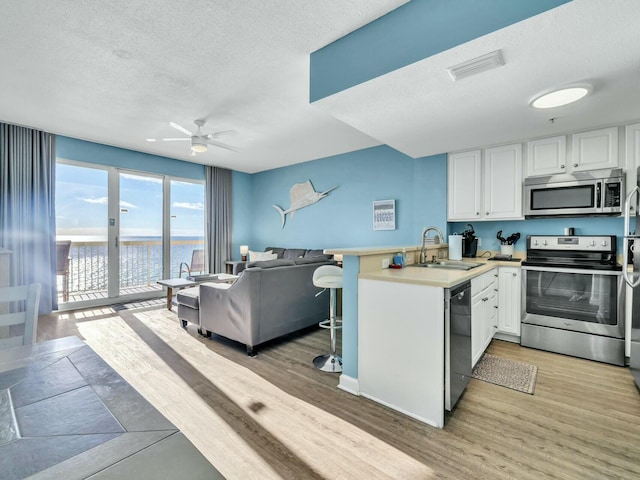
x=349, y=384
x=507, y=337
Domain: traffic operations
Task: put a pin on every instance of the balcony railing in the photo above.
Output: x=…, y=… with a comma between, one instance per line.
x=140, y=263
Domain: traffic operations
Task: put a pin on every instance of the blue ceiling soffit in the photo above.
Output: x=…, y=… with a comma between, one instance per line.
x=410, y=33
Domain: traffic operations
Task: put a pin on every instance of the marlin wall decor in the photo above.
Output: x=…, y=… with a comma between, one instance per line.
x=302, y=195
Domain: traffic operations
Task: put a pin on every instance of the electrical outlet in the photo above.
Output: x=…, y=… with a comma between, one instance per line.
x=385, y=263
x=440, y=253
x=479, y=242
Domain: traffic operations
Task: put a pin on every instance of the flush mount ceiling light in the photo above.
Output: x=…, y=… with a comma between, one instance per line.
x=561, y=96
x=476, y=65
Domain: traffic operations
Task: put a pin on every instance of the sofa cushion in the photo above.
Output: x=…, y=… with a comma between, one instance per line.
x=189, y=297
x=320, y=259
x=292, y=253
x=314, y=253
x=280, y=262
x=277, y=250
x=261, y=256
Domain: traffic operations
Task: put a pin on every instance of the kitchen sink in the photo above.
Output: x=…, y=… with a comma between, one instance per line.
x=448, y=264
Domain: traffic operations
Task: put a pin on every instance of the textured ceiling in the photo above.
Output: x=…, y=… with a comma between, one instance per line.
x=118, y=72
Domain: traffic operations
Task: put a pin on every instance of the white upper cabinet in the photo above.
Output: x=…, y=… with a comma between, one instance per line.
x=589, y=151
x=595, y=149
x=485, y=185
x=547, y=156
x=464, y=185
x=503, y=182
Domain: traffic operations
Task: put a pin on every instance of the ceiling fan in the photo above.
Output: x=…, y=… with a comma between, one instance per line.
x=199, y=140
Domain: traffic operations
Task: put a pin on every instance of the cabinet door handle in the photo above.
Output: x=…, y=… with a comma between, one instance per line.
x=477, y=213
x=514, y=274
x=485, y=299
x=561, y=166
x=575, y=164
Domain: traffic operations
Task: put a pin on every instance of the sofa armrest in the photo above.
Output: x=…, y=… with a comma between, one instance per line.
x=228, y=309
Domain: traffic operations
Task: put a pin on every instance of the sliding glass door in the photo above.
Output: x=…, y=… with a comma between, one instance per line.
x=123, y=231
x=81, y=232
x=187, y=228
x=140, y=234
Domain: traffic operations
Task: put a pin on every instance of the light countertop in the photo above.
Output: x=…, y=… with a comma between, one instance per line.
x=435, y=277
x=364, y=251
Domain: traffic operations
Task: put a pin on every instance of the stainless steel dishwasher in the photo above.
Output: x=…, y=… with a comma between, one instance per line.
x=457, y=304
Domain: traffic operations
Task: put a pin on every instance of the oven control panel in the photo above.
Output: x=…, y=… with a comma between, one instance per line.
x=605, y=243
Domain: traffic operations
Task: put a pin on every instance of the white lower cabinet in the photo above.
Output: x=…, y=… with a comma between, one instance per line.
x=484, y=312
x=509, y=309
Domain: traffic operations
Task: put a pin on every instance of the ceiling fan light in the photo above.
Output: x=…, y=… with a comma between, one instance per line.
x=198, y=146
x=561, y=96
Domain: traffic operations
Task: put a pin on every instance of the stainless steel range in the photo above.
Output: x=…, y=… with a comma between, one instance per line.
x=574, y=297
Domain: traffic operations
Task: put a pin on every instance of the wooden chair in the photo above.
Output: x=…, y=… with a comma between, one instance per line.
x=22, y=306
x=62, y=266
x=197, y=264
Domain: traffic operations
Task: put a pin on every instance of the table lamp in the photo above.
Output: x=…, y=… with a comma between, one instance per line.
x=244, y=250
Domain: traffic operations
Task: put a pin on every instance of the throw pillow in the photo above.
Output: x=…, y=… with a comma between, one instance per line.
x=261, y=256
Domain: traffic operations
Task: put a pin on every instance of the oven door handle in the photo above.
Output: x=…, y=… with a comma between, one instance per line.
x=627, y=239
x=584, y=271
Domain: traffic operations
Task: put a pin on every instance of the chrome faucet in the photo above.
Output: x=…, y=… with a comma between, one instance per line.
x=437, y=241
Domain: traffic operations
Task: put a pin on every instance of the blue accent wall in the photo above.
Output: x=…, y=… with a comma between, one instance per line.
x=412, y=32
x=429, y=195
x=84, y=151
x=344, y=218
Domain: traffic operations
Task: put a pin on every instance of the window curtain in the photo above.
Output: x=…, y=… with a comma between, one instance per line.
x=218, y=217
x=27, y=209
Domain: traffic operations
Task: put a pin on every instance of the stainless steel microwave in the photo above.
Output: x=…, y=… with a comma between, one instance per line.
x=595, y=192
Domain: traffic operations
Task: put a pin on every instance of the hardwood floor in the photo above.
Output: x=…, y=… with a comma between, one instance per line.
x=275, y=416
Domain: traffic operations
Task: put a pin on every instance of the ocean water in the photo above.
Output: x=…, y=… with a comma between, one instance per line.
x=140, y=260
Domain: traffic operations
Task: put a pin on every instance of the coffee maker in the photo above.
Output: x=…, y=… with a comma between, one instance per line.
x=469, y=242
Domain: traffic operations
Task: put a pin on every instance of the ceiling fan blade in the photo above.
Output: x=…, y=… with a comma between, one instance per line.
x=222, y=145
x=180, y=129
x=223, y=133
x=174, y=139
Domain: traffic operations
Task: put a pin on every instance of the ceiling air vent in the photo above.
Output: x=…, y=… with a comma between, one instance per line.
x=476, y=65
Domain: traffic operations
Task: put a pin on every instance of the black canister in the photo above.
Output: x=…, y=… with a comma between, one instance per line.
x=469, y=246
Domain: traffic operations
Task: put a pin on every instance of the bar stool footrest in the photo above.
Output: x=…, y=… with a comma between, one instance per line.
x=327, y=324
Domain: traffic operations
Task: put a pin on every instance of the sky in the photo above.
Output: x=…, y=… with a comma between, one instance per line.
x=82, y=205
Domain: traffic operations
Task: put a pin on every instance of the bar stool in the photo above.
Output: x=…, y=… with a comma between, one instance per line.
x=329, y=276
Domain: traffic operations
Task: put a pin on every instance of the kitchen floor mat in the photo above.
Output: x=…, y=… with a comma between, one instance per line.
x=512, y=374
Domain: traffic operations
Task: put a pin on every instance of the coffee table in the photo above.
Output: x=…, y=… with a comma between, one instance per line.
x=179, y=283
x=176, y=283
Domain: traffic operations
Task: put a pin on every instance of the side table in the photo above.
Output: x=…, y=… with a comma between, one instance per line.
x=230, y=264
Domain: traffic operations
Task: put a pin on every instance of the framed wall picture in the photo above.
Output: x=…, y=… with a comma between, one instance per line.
x=384, y=215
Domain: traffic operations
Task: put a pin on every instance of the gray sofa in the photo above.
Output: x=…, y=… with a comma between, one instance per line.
x=268, y=300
